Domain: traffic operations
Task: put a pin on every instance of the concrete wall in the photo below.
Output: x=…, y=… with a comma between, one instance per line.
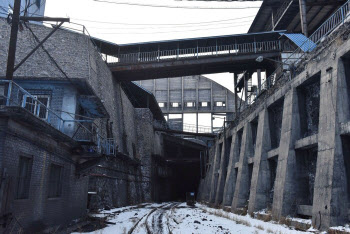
x=299, y=167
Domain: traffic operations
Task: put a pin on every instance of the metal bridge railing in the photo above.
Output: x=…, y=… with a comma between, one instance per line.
x=177, y=54
x=334, y=21
x=85, y=129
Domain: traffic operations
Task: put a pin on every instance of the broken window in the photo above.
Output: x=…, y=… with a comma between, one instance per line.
x=275, y=122
x=55, y=181
x=24, y=176
x=37, y=105
x=306, y=171
x=309, y=106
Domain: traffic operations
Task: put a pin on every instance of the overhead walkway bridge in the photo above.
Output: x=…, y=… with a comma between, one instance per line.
x=185, y=57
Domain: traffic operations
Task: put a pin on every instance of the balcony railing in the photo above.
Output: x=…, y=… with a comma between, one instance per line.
x=85, y=129
x=197, y=52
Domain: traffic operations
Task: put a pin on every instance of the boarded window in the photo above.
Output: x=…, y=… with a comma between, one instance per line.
x=23, y=179
x=55, y=181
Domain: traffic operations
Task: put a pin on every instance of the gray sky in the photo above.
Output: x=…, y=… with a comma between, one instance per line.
x=125, y=23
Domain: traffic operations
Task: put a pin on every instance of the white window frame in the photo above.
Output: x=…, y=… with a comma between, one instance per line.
x=36, y=111
x=175, y=104
x=190, y=104
x=206, y=104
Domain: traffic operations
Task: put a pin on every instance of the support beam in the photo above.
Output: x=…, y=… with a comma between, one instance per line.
x=245, y=90
x=235, y=77
x=303, y=20
x=231, y=172
x=38, y=46
x=259, y=80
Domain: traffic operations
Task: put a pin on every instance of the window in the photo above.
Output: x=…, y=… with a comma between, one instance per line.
x=55, y=181
x=162, y=104
x=23, y=179
x=220, y=104
x=204, y=104
x=190, y=104
x=175, y=104
x=34, y=105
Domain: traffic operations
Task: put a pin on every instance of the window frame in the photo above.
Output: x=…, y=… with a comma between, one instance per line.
x=193, y=104
x=36, y=104
x=59, y=181
x=26, y=179
x=178, y=104
x=207, y=104
x=223, y=103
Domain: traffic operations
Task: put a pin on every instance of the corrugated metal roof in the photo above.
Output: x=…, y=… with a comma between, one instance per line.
x=301, y=41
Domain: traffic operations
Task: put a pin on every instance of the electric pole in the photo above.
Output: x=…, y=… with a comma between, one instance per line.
x=13, y=40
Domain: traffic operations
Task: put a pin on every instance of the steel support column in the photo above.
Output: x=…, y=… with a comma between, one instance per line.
x=303, y=20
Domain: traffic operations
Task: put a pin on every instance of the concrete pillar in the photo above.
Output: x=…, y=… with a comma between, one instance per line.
x=182, y=94
x=242, y=187
x=236, y=95
x=215, y=172
x=168, y=99
x=231, y=172
x=211, y=119
x=330, y=191
x=196, y=122
x=245, y=91
x=284, y=192
x=259, y=80
x=227, y=146
x=259, y=189
x=303, y=20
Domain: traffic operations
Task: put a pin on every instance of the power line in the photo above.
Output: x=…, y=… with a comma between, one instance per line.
x=184, y=26
x=175, y=31
x=204, y=22
x=177, y=7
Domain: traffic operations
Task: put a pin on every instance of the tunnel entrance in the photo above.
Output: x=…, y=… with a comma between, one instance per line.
x=182, y=156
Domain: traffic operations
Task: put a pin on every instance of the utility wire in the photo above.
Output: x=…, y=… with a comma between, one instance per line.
x=195, y=23
x=177, y=7
x=180, y=27
x=173, y=31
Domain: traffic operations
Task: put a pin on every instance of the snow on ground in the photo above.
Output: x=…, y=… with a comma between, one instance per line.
x=180, y=218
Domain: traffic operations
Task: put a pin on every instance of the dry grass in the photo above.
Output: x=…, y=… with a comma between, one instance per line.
x=284, y=220
x=259, y=227
x=333, y=231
